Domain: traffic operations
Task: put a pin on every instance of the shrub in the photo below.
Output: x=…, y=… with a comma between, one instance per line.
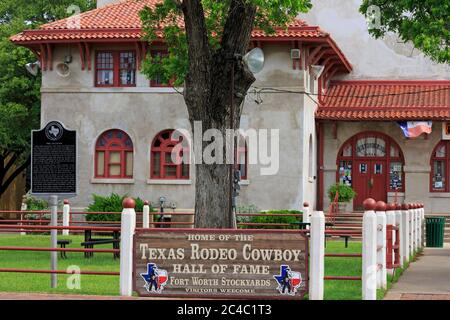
x=346, y=193
x=35, y=204
x=293, y=221
x=112, y=203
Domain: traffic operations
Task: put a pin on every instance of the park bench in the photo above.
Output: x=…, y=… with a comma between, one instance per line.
x=93, y=242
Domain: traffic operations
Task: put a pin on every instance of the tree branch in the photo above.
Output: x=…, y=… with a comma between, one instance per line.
x=236, y=36
x=10, y=163
x=13, y=176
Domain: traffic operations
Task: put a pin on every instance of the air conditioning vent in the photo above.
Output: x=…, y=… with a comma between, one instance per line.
x=295, y=54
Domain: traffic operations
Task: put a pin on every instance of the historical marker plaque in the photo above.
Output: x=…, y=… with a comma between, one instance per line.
x=53, y=161
x=255, y=264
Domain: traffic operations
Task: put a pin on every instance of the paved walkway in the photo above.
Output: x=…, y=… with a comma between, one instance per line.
x=426, y=279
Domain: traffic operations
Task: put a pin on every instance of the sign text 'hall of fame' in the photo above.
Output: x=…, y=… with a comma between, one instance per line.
x=221, y=264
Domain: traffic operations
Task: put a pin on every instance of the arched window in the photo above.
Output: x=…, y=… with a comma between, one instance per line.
x=374, y=149
x=311, y=173
x=440, y=162
x=114, y=155
x=169, y=157
x=241, y=157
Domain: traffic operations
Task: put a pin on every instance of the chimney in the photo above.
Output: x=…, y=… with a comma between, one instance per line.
x=102, y=3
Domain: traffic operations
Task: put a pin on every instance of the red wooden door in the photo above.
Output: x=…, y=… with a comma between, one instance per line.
x=369, y=181
x=377, y=184
x=361, y=178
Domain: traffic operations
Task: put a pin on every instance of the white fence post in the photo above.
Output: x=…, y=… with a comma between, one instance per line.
x=23, y=208
x=419, y=226
x=128, y=227
x=381, y=245
x=317, y=255
x=412, y=229
x=146, y=215
x=369, y=251
x=405, y=232
x=399, y=224
x=390, y=221
x=66, y=217
x=422, y=223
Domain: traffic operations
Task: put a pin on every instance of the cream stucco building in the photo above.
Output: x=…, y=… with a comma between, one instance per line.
x=341, y=126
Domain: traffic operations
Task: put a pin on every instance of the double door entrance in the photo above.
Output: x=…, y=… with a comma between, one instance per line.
x=372, y=164
x=369, y=181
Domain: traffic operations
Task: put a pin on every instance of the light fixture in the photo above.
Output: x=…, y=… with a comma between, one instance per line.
x=33, y=67
x=255, y=60
x=63, y=70
x=162, y=200
x=317, y=71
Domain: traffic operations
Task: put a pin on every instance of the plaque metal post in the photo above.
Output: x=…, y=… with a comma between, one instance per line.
x=53, y=204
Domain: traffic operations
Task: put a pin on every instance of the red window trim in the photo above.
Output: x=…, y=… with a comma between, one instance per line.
x=107, y=149
x=389, y=142
x=116, y=69
x=162, y=150
x=153, y=84
x=446, y=161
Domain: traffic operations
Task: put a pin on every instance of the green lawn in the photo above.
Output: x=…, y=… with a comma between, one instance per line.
x=343, y=289
x=28, y=282
x=109, y=285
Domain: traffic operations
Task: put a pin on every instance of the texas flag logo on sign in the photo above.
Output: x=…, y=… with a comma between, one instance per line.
x=155, y=278
x=288, y=281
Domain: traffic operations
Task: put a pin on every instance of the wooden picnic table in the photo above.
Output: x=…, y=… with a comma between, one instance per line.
x=90, y=242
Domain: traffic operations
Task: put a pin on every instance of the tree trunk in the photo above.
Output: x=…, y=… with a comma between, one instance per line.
x=208, y=96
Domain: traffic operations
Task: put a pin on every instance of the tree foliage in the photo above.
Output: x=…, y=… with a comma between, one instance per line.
x=426, y=23
x=206, y=40
x=164, y=20
x=20, y=91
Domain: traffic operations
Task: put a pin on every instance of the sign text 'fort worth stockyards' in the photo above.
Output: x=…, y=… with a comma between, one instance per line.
x=221, y=264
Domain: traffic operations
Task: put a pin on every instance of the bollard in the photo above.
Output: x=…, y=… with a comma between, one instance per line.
x=128, y=227
x=398, y=223
x=66, y=217
x=405, y=233
x=381, y=245
x=390, y=221
x=146, y=215
x=317, y=256
x=369, y=251
x=306, y=214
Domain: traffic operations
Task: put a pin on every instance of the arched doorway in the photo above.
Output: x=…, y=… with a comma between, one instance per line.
x=372, y=164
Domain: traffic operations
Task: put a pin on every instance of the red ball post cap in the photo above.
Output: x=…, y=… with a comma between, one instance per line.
x=405, y=206
x=398, y=206
x=305, y=204
x=129, y=203
x=66, y=201
x=413, y=206
x=391, y=206
x=369, y=204
x=146, y=203
x=381, y=206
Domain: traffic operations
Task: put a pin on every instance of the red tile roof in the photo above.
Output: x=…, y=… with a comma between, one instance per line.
x=386, y=101
x=122, y=21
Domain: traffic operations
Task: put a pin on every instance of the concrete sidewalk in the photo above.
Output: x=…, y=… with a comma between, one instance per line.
x=426, y=279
